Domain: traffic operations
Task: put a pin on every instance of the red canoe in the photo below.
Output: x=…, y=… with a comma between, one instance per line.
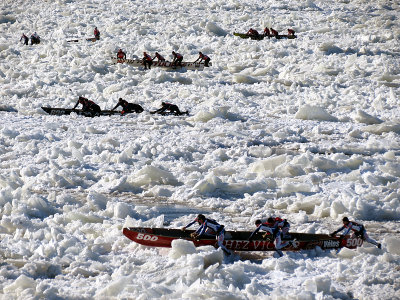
x=238, y=240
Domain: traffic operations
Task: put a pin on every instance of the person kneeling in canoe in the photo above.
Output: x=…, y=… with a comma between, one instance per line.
x=128, y=107
x=209, y=227
x=88, y=105
x=273, y=234
x=252, y=33
x=169, y=108
x=147, y=61
x=121, y=54
x=358, y=231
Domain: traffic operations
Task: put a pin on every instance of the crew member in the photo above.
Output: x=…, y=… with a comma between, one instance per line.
x=274, y=234
x=169, y=108
x=128, y=107
x=121, y=54
x=203, y=57
x=35, y=39
x=25, y=38
x=96, y=33
x=88, y=105
x=209, y=227
x=358, y=231
x=290, y=32
x=267, y=32
x=177, y=61
x=159, y=57
x=282, y=225
x=252, y=32
x=147, y=61
x=274, y=32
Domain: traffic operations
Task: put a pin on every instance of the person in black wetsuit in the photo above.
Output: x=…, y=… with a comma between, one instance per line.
x=25, y=38
x=128, y=107
x=88, y=105
x=169, y=108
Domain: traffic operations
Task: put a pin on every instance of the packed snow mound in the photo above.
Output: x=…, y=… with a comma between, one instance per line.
x=362, y=117
x=309, y=112
x=214, y=29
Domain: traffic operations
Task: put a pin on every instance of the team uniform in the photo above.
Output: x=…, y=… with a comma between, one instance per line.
x=121, y=54
x=252, y=32
x=128, y=107
x=169, y=108
x=96, y=33
x=274, y=32
x=211, y=227
x=266, y=32
x=35, y=39
x=358, y=231
x=25, y=38
x=88, y=105
x=203, y=57
x=275, y=234
x=178, y=58
x=282, y=225
x=159, y=57
x=147, y=61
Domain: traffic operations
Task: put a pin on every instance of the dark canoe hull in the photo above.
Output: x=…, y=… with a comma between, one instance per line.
x=84, y=39
x=238, y=240
x=262, y=36
x=67, y=111
x=160, y=64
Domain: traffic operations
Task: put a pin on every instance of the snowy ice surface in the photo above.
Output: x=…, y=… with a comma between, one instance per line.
x=307, y=129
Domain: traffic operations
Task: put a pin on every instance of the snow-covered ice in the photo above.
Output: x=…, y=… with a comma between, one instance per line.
x=306, y=128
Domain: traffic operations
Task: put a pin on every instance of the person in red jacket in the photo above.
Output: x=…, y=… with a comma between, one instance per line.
x=274, y=32
x=290, y=32
x=267, y=32
x=147, y=61
x=88, y=105
x=159, y=57
x=252, y=32
x=96, y=33
x=177, y=61
x=121, y=54
x=203, y=57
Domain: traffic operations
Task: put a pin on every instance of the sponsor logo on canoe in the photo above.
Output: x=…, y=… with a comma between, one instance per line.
x=146, y=237
x=331, y=244
x=354, y=242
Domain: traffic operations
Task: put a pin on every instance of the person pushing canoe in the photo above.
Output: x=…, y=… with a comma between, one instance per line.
x=88, y=105
x=167, y=108
x=358, y=231
x=128, y=107
x=209, y=227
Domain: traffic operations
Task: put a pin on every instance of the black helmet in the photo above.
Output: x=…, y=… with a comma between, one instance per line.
x=270, y=220
x=200, y=217
x=258, y=222
x=120, y=99
x=346, y=219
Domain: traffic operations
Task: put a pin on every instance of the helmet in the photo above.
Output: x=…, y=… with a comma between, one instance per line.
x=200, y=52
x=271, y=220
x=346, y=219
x=120, y=99
x=173, y=52
x=163, y=103
x=200, y=217
x=258, y=222
x=156, y=52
